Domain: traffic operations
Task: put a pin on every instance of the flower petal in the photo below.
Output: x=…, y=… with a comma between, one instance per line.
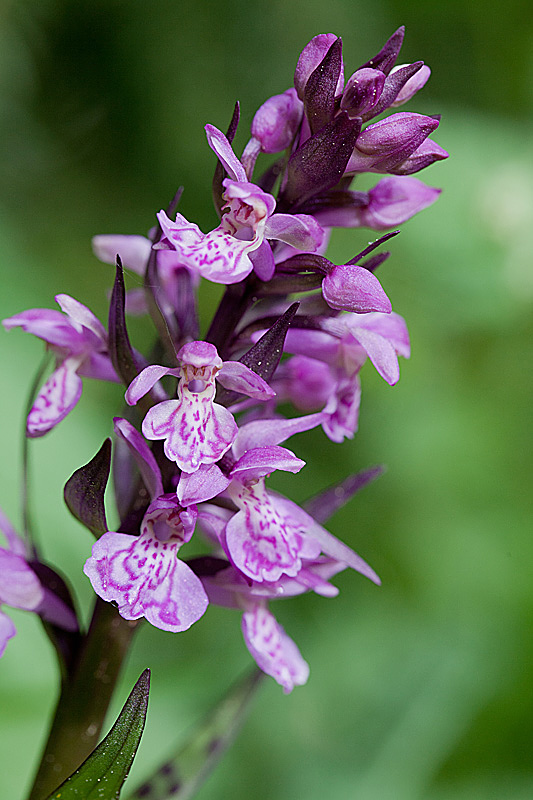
x=79, y=313
x=352, y=288
x=264, y=432
x=329, y=544
x=220, y=145
x=7, y=631
x=207, y=482
x=274, y=652
x=147, y=580
x=19, y=585
x=195, y=432
x=238, y=377
x=55, y=399
x=298, y=230
x=148, y=467
x=261, y=461
x=146, y=380
x=134, y=251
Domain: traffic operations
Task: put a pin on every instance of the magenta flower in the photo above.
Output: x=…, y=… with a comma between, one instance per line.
x=21, y=588
x=143, y=574
x=271, y=647
x=196, y=430
x=79, y=342
x=392, y=201
x=274, y=652
x=224, y=254
x=343, y=345
x=269, y=536
x=134, y=252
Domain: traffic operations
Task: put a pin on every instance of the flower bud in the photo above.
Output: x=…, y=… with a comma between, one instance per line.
x=412, y=86
x=352, y=288
x=425, y=155
x=386, y=144
x=362, y=91
x=394, y=200
x=310, y=57
x=276, y=122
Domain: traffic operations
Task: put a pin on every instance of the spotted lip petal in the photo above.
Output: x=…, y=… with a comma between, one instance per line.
x=55, y=399
x=143, y=574
x=274, y=652
x=196, y=432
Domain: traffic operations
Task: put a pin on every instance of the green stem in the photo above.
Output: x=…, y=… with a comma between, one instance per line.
x=84, y=699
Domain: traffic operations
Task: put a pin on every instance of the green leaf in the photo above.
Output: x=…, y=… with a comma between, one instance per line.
x=84, y=491
x=181, y=775
x=102, y=775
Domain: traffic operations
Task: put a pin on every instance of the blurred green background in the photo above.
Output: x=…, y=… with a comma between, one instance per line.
x=420, y=689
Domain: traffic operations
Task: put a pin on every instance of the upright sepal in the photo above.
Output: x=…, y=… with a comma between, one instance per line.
x=102, y=775
x=220, y=172
x=84, y=491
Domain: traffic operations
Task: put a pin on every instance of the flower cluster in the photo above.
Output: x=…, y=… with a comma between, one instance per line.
x=208, y=425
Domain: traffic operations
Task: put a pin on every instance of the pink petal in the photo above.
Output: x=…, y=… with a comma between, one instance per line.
x=263, y=432
x=146, y=380
x=329, y=544
x=240, y=378
x=55, y=400
x=7, y=631
x=50, y=325
x=274, y=652
x=147, y=580
x=207, y=482
x=15, y=542
x=381, y=353
x=19, y=585
x=134, y=251
x=298, y=230
x=220, y=145
x=82, y=315
x=351, y=288
x=261, y=461
x=195, y=432
x=150, y=472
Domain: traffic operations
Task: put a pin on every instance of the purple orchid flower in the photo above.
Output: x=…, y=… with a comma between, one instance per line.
x=143, y=573
x=196, y=430
x=225, y=254
x=79, y=342
x=273, y=650
x=329, y=361
x=269, y=536
x=392, y=201
x=134, y=252
x=21, y=588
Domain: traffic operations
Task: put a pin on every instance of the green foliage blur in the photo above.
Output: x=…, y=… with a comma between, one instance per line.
x=419, y=689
